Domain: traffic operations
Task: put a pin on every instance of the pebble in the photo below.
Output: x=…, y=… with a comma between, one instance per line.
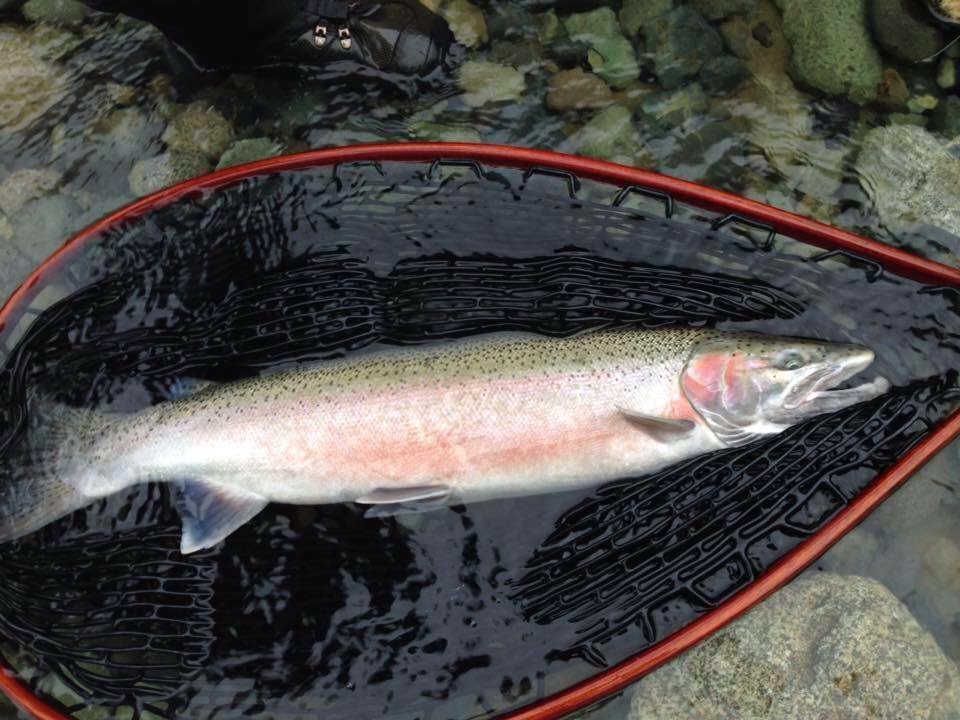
x=486, y=82
x=577, y=89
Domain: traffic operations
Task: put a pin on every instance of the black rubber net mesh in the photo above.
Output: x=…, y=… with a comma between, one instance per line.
x=467, y=611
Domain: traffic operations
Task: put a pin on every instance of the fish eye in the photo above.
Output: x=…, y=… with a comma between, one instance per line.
x=790, y=361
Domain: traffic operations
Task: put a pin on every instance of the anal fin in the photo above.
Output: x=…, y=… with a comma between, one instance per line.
x=389, y=502
x=211, y=511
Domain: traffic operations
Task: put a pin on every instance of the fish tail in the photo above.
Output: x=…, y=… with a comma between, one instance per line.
x=35, y=492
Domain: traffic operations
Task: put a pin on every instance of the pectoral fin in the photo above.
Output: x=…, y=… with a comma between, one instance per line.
x=211, y=511
x=658, y=425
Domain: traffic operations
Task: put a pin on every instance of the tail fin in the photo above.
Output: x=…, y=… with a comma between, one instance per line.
x=35, y=489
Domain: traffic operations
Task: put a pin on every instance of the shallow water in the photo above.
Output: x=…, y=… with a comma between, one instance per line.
x=107, y=90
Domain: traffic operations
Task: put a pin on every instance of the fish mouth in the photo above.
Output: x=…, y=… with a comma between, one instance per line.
x=821, y=390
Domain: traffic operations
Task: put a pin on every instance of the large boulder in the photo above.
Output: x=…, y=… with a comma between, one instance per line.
x=826, y=646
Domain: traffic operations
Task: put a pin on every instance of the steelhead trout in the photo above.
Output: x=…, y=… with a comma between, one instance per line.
x=496, y=416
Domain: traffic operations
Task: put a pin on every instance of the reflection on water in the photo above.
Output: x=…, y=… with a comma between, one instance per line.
x=809, y=106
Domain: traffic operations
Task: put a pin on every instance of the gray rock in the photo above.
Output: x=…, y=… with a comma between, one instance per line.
x=832, y=48
x=679, y=44
x=158, y=172
x=199, y=129
x=720, y=9
x=635, y=14
x=489, y=82
x=611, y=55
x=244, y=151
x=43, y=225
x=906, y=35
x=946, y=116
x=25, y=186
x=911, y=178
x=56, y=12
x=826, y=646
x=29, y=86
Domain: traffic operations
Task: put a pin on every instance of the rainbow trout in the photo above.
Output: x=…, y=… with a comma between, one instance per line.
x=502, y=415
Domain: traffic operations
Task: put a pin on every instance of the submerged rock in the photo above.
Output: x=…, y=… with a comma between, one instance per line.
x=635, y=14
x=680, y=43
x=576, y=90
x=158, y=172
x=610, y=135
x=611, y=55
x=56, y=12
x=826, y=646
x=911, y=178
x=25, y=186
x=902, y=28
x=832, y=48
x=244, y=151
x=43, y=225
x=199, y=128
x=489, y=82
x=466, y=21
x=29, y=85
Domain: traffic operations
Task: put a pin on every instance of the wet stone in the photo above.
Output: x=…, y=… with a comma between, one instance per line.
x=200, y=129
x=29, y=86
x=825, y=646
x=679, y=44
x=158, y=172
x=610, y=134
x=911, y=177
x=611, y=55
x=245, y=151
x=488, y=82
x=576, y=90
x=467, y=22
x=723, y=73
x=56, y=12
x=636, y=14
x=24, y=186
x=903, y=29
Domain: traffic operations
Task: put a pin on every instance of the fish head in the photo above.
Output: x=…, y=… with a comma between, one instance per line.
x=747, y=385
